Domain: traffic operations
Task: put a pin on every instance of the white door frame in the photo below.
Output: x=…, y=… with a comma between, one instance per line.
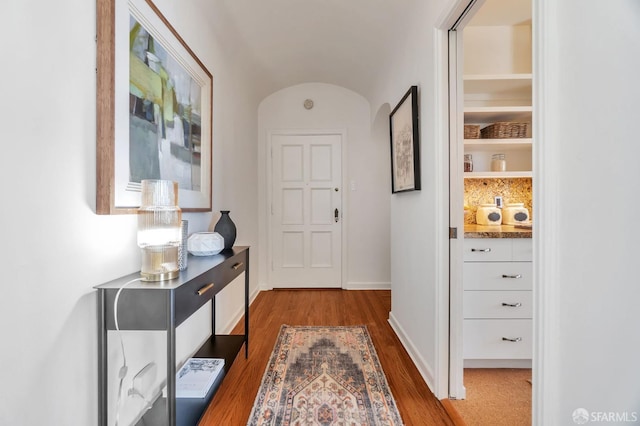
x=344, y=212
x=457, y=389
x=545, y=248
x=448, y=81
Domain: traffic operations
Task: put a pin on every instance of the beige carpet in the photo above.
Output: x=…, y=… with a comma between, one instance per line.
x=495, y=397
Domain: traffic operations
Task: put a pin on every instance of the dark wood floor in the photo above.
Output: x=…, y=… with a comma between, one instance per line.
x=233, y=402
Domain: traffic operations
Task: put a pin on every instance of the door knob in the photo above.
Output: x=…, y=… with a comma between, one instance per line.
x=336, y=215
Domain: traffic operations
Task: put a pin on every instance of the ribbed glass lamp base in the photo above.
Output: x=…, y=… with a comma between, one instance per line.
x=159, y=263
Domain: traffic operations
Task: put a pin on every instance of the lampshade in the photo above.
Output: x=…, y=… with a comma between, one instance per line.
x=159, y=235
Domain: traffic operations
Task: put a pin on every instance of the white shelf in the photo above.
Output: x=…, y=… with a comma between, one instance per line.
x=498, y=84
x=493, y=175
x=497, y=144
x=495, y=114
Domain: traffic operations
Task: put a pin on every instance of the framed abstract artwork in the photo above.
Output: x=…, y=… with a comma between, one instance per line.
x=154, y=109
x=405, y=143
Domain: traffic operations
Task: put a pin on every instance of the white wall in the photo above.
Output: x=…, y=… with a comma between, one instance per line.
x=55, y=247
x=586, y=184
x=497, y=49
x=366, y=166
x=416, y=242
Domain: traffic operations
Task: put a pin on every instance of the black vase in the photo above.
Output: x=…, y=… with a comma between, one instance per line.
x=226, y=228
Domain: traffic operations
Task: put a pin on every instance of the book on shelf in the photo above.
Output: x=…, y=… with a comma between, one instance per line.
x=196, y=376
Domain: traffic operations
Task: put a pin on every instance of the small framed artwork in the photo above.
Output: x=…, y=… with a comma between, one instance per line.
x=405, y=143
x=154, y=109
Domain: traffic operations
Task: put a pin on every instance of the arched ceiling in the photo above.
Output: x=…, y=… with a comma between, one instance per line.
x=287, y=42
x=280, y=43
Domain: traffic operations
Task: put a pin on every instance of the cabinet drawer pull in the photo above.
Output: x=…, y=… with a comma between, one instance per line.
x=486, y=250
x=237, y=266
x=512, y=305
x=204, y=289
x=516, y=276
x=515, y=339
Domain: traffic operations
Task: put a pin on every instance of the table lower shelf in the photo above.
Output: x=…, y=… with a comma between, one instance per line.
x=190, y=410
x=225, y=346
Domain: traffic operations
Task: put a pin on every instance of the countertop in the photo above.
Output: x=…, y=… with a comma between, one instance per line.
x=495, y=231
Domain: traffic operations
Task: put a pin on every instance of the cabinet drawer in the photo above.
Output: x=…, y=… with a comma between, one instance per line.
x=498, y=249
x=497, y=304
x=483, y=339
x=187, y=296
x=487, y=249
x=497, y=275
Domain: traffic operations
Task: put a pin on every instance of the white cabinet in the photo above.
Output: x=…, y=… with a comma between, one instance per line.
x=497, y=301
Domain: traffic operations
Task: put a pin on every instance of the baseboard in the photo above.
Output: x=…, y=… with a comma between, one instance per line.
x=348, y=286
x=367, y=286
x=423, y=367
x=253, y=295
x=235, y=319
x=264, y=287
x=497, y=363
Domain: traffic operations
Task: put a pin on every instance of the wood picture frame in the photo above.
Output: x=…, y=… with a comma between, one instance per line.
x=154, y=109
x=405, y=143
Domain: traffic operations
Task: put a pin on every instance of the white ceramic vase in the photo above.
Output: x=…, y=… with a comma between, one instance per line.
x=205, y=243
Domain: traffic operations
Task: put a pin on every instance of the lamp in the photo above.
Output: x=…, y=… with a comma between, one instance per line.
x=159, y=234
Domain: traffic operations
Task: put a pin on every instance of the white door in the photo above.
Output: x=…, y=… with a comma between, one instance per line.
x=306, y=210
x=457, y=389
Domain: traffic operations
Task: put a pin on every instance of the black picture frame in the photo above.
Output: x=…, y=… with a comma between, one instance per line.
x=405, y=143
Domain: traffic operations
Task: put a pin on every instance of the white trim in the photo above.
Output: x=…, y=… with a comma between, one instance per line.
x=457, y=389
x=545, y=244
x=449, y=361
x=423, y=367
x=235, y=319
x=269, y=199
x=352, y=285
x=263, y=286
x=344, y=161
x=441, y=214
x=266, y=248
x=253, y=295
x=451, y=14
x=232, y=322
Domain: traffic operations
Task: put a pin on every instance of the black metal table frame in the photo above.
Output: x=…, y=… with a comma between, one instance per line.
x=164, y=306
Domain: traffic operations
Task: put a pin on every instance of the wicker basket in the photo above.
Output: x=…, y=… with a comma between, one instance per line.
x=505, y=130
x=471, y=131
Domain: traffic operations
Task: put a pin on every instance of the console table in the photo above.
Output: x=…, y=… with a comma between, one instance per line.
x=164, y=306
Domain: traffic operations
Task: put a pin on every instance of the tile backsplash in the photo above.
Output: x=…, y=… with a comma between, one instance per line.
x=481, y=191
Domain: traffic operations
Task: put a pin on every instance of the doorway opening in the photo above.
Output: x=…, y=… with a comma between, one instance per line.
x=491, y=294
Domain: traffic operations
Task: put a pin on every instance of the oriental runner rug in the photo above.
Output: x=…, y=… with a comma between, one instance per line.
x=324, y=376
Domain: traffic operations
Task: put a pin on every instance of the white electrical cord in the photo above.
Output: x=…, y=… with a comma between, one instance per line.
x=147, y=403
x=123, y=370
